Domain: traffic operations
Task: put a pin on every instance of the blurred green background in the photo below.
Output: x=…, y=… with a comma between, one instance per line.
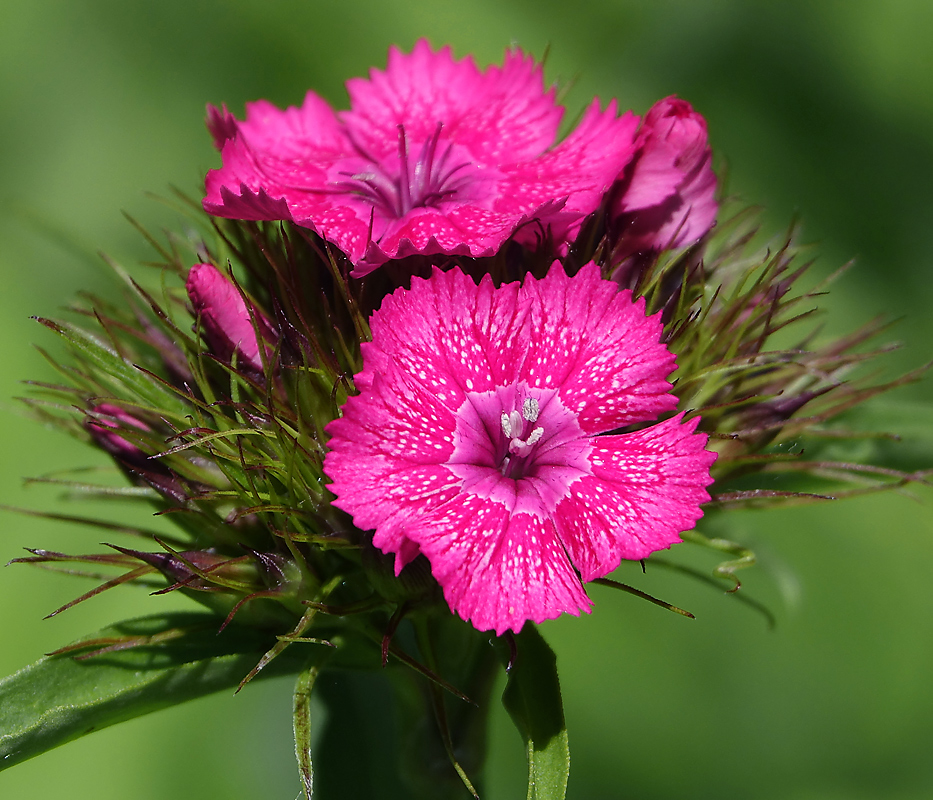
x=817, y=107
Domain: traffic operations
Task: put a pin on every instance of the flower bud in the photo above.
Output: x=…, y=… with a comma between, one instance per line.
x=106, y=420
x=209, y=571
x=103, y=423
x=665, y=198
x=227, y=323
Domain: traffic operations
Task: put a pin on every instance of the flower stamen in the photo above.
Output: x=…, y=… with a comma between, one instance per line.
x=426, y=182
x=530, y=409
x=404, y=183
x=521, y=437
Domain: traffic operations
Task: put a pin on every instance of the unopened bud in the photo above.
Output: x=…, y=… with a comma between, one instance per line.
x=666, y=198
x=227, y=323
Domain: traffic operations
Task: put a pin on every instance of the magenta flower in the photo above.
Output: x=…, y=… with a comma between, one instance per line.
x=667, y=195
x=482, y=438
x=226, y=321
x=434, y=156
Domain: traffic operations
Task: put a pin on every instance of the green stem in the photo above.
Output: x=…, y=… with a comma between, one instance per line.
x=383, y=736
x=303, y=727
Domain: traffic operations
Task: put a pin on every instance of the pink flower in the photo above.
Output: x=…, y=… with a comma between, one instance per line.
x=434, y=156
x=667, y=195
x=482, y=438
x=225, y=320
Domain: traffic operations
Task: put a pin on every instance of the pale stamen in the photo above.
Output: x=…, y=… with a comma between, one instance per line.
x=514, y=425
x=531, y=409
x=522, y=449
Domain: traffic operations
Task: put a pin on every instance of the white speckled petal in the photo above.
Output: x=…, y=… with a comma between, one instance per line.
x=498, y=569
x=450, y=334
x=591, y=341
x=646, y=488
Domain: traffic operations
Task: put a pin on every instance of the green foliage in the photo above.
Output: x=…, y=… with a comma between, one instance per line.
x=125, y=671
x=302, y=725
x=532, y=698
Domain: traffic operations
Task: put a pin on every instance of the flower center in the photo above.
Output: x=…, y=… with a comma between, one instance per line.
x=520, y=446
x=433, y=177
x=520, y=438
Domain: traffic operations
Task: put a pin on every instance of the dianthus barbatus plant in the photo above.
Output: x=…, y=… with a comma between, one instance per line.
x=413, y=380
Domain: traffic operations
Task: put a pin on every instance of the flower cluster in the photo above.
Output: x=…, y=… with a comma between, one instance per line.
x=424, y=358
x=479, y=439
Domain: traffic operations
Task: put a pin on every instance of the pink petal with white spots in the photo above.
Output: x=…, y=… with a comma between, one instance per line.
x=386, y=455
x=453, y=335
x=593, y=342
x=498, y=569
x=646, y=488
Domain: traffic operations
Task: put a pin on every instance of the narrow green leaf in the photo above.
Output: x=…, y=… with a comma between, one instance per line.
x=139, y=666
x=111, y=367
x=897, y=434
x=532, y=698
x=303, y=727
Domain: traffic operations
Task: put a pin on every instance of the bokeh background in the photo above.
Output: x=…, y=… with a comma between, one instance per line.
x=817, y=108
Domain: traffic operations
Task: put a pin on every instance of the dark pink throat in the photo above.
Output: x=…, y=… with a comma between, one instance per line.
x=394, y=188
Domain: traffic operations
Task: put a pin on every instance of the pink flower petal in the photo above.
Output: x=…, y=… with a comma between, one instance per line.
x=308, y=137
x=498, y=569
x=392, y=449
x=580, y=168
x=451, y=334
x=500, y=114
x=221, y=124
x=645, y=489
x=595, y=344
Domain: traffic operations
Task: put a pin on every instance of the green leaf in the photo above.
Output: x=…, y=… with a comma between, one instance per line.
x=532, y=698
x=125, y=671
x=114, y=369
x=302, y=714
